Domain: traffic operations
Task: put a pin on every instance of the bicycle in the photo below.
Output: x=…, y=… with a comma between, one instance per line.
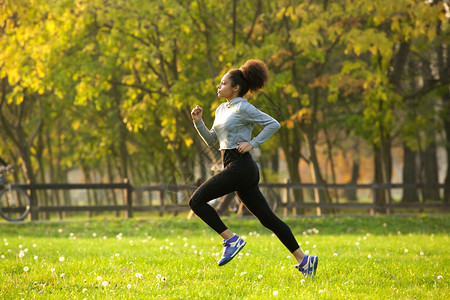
x=15, y=203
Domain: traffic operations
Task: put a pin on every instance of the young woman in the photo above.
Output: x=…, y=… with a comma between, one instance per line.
x=233, y=125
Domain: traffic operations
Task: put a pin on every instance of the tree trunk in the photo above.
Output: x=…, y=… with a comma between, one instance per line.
x=351, y=194
x=430, y=173
x=410, y=195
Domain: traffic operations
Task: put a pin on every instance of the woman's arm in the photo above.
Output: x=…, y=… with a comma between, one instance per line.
x=256, y=116
x=208, y=136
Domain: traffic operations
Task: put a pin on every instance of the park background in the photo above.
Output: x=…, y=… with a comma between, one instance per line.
x=101, y=91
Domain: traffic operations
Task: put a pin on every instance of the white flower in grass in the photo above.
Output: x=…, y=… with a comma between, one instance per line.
x=138, y=275
x=421, y=253
x=307, y=252
x=243, y=273
x=369, y=256
x=20, y=246
x=2, y=256
x=158, y=276
x=357, y=244
x=62, y=275
x=6, y=243
x=302, y=281
x=335, y=254
x=406, y=250
x=61, y=258
x=439, y=277
x=94, y=235
x=25, y=250
x=84, y=290
x=60, y=230
x=117, y=255
x=105, y=283
x=163, y=279
x=320, y=291
x=260, y=276
x=21, y=254
x=128, y=286
x=26, y=269
x=52, y=270
x=275, y=293
x=34, y=245
x=35, y=257
x=99, y=278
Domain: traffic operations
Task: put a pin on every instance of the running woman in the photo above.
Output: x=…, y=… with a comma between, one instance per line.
x=233, y=125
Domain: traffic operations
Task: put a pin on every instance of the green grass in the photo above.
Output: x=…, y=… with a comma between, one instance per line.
x=360, y=258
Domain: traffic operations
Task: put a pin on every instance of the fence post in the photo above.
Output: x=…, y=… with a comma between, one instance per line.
x=286, y=198
x=128, y=199
x=374, y=199
x=161, y=201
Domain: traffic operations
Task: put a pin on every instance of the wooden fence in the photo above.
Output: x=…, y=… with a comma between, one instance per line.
x=130, y=192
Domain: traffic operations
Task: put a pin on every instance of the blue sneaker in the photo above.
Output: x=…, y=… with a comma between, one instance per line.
x=309, y=268
x=232, y=247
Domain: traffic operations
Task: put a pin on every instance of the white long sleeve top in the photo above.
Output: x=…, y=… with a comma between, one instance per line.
x=234, y=122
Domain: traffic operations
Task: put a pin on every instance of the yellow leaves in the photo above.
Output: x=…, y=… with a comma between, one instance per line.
x=301, y=116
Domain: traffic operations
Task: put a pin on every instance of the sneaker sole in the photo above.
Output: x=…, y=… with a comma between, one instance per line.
x=233, y=255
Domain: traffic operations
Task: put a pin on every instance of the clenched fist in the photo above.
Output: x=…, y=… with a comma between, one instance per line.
x=197, y=113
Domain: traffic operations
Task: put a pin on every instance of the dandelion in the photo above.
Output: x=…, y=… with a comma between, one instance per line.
x=60, y=230
x=243, y=273
x=275, y=293
x=6, y=243
x=105, y=283
x=260, y=276
x=369, y=256
x=99, y=278
x=26, y=269
x=357, y=244
x=158, y=276
x=128, y=286
x=62, y=275
x=307, y=252
x=320, y=291
x=163, y=279
x=439, y=277
x=116, y=255
x=35, y=257
x=2, y=256
x=21, y=254
x=302, y=281
x=421, y=253
x=52, y=270
x=406, y=250
x=84, y=290
x=94, y=234
x=20, y=246
x=61, y=259
x=335, y=254
x=138, y=275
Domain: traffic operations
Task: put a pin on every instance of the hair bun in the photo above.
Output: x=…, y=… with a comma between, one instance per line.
x=255, y=73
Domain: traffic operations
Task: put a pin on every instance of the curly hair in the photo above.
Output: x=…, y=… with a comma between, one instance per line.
x=251, y=76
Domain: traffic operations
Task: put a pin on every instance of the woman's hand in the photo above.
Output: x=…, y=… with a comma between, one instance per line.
x=197, y=113
x=244, y=147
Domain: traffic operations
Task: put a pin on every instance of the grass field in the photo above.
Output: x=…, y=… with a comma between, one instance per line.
x=175, y=258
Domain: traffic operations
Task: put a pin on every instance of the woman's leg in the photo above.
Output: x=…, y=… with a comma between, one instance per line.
x=257, y=205
x=220, y=184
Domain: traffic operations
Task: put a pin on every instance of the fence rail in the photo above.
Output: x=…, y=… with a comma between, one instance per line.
x=128, y=206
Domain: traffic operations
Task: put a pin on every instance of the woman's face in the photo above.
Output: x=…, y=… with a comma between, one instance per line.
x=225, y=90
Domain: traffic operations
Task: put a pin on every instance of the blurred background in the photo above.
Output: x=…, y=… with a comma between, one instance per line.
x=101, y=91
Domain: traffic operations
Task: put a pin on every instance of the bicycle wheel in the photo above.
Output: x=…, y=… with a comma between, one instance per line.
x=14, y=204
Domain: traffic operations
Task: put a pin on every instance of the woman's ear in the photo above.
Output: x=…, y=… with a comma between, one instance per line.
x=236, y=88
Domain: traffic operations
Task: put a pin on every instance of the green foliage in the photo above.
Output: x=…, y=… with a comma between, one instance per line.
x=118, y=79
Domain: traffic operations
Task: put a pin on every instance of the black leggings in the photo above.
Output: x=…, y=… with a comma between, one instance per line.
x=240, y=175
